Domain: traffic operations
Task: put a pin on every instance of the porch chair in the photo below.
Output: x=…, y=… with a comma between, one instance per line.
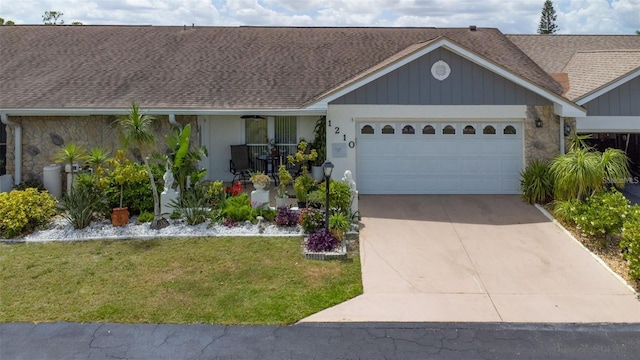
x=240, y=165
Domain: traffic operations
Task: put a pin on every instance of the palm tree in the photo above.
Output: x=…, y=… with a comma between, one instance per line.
x=135, y=131
x=70, y=155
x=584, y=171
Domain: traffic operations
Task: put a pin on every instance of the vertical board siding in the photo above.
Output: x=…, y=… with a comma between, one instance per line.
x=621, y=101
x=3, y=148
x=468, y=84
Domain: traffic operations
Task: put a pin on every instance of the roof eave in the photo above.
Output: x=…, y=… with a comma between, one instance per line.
x=159, y=111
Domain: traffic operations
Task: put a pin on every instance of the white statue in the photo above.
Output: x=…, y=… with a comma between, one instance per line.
x=168, y=179
x=348, y=179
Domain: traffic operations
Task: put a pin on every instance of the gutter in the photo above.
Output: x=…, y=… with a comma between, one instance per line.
x=18, y=147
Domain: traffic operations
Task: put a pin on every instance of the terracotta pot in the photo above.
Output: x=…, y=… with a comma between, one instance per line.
x=120, y=216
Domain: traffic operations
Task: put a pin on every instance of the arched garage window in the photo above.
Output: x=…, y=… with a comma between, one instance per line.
x=428, y=130
x=408, y=129
x=367, y=130
x=509, y=130
x=388, y=129
x=469, y=130
x=448, y=130
x=489, y=130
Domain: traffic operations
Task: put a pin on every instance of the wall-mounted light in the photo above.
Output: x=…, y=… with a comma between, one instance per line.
x=255, y=117
x=567, y=129
x=538, y=122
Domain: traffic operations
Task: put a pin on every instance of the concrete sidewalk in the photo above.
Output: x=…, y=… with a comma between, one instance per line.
x=478, y=259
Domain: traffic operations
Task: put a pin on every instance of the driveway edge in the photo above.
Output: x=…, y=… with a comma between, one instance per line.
x=596, y=257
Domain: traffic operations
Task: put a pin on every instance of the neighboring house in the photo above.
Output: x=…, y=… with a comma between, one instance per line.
x=409, y=110
x=601, y=73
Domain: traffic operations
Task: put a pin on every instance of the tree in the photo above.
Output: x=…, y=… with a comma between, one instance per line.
x=52, y=17
x=548, y=19
x=637, y=32
x=8, y=22
x=136, y=131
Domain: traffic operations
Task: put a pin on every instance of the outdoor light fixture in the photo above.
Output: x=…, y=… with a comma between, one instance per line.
x=538, y=122
x=567, y=129
x=256, y=117
x=327, y=167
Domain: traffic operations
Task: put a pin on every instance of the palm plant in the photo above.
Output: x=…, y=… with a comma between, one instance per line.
x=584, y=171
x=135, y=130
x=70, y=155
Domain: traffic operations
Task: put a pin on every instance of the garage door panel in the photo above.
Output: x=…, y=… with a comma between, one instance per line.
x=440, y=164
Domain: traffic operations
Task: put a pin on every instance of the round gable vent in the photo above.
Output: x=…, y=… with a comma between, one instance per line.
x=440, y=70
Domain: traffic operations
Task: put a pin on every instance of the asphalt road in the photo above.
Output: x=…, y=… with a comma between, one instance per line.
x=320, y=341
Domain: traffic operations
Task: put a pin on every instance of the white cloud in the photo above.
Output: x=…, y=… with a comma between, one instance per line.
x=510, y=16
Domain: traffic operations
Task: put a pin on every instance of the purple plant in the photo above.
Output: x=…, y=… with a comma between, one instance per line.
x=286, y=217
x=322, y=240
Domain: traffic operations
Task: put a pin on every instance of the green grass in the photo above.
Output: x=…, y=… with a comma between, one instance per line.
x=233, y=280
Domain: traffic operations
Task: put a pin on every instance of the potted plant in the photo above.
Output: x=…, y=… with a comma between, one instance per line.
x=123, y=171
x=338, y=225
x=301, y=186
x=285, y=179
x=319, y=143
x=260, y=180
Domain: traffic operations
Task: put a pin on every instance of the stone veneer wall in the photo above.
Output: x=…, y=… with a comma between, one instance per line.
x=543, y=143
x=44, y=136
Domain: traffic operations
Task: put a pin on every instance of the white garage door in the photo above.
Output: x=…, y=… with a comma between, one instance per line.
x=439, y=157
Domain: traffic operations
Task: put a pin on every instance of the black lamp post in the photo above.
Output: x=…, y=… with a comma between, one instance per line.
x=327, y=167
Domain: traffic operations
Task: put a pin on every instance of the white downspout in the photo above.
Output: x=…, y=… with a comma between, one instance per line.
x=17, y=154
x=562, y=135
x=172, y=120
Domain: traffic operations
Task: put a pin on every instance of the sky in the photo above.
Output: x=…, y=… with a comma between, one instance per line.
x=510, y=16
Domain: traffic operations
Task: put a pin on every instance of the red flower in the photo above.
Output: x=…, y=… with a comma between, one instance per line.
x=235, y=189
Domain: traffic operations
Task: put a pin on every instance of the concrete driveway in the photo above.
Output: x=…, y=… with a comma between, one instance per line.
x=476, y=258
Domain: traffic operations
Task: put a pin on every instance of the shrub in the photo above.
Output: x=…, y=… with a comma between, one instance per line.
x=286, y=217
x=322, y=240
x=238, y=208
x=311, y=220
x=339, y=196
x=536, y=182
x=598, y=216
x=24, y=210
x=31, y=183
x=630, y=243
x=214, y=192
x=145, y=217
x=603, y=214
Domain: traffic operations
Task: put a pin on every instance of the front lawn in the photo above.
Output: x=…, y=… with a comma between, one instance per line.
x=216, y=280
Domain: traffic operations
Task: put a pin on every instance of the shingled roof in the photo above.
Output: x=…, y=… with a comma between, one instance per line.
x=591, y=61
x=591, y=70
x=80, y=67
